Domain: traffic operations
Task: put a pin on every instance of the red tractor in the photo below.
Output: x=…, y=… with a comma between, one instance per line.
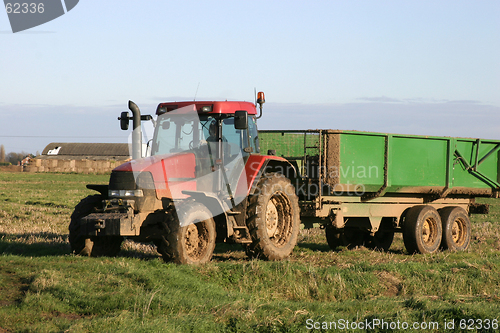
x=205, y=181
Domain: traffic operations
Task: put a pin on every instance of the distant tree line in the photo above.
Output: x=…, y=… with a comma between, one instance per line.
x=12, y=158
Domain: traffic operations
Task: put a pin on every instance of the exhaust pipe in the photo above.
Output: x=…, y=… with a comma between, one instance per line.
x=136, y=133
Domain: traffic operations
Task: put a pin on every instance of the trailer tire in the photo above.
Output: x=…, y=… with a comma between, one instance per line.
x=383, y=238
x=82, y=244
x=333, y=238
x=194, y=241
x=381, y=241
x=422, y=230
x=348, y=237
x=456, y=229
x=273, y=218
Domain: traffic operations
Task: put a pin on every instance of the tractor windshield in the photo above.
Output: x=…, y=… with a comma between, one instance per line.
x=177, y=133
x=184, y=132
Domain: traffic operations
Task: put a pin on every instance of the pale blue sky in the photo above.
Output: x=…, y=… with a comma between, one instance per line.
x=416, y=67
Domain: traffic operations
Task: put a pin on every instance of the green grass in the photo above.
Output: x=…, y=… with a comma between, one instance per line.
x=45, y=289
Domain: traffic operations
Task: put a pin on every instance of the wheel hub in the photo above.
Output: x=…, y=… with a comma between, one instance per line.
x=428, y=231
x=192, y=239
x=457, y=232
x=271, y=219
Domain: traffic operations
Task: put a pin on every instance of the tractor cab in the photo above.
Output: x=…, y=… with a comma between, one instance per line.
x=188, y=125
x=215, y=138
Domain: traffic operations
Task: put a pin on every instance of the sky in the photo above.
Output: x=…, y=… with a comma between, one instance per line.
x=409, y=67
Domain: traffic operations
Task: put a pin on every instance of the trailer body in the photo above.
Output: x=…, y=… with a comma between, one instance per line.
x=362, y=182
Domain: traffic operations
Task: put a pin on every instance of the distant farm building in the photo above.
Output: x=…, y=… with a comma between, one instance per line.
x=80, y=157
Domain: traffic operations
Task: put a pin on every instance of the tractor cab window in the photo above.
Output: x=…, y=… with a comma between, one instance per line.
x=231, y=138
x=191, y=132
x=254, y=134
x=238, y=140
x=186, y=132
x=175, y=134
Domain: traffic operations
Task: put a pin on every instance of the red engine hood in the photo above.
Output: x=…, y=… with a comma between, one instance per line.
x=172, y=173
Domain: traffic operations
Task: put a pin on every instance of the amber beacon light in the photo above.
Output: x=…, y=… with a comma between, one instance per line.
x=261, y=99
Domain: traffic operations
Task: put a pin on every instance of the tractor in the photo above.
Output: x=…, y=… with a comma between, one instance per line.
x=204, y=181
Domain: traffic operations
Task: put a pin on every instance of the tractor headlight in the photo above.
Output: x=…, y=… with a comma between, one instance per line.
x=125, y=193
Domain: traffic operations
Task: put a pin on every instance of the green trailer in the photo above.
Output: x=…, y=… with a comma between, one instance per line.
x=362, y=187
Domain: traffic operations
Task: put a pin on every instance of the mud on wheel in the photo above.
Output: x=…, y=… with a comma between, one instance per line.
x=85, y=245
x=273, y=218
x=80, y=243
x=189, y=234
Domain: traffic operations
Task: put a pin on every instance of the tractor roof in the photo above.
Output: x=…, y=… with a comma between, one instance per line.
x=209, y=107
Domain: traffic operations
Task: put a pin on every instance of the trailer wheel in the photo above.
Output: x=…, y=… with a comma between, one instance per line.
x=381, y=241
x=422, y=230
x=383, y=238
x=348, y=237
x=82, y=244
x=456, y=229
x=194, y=241
x=273, y=218
x=333, y=237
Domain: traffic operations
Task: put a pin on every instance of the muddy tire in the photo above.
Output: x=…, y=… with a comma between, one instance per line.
x=456, y=229
x=193, y=242
x=82, y=244
x=86, y=245
x=273, y=218
x=422, y=230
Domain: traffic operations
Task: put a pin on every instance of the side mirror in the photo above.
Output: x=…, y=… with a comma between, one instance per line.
x=241, y=120
x=124, y=120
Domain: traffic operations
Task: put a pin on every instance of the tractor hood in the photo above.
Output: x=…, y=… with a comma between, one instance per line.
x=171, y=173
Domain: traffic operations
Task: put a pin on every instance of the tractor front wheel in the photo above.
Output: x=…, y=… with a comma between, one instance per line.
x=189, y=234
x=80, y=243
x=85, y=245
x=273, y=218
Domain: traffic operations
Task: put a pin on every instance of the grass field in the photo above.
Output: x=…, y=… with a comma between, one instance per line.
x=45, y=289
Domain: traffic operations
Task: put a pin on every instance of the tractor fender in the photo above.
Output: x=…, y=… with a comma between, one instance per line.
x=258, y=165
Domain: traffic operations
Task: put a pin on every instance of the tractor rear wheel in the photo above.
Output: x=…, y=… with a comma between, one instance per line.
x=189, y=236
x=456, y=229
x=273, y=218
x=82, y=244
x=422, y=229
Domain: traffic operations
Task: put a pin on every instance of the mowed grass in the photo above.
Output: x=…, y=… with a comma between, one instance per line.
x=43, y=288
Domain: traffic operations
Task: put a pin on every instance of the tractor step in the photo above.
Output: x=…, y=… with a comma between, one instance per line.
x=242, y=235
